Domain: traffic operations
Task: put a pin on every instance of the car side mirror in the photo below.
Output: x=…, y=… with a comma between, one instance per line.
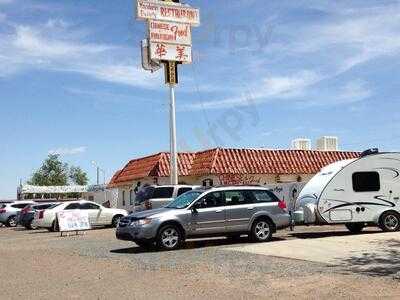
x=195, y=207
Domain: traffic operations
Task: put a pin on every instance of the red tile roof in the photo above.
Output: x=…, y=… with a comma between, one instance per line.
x=248, y=161
x=156, y=165
x=231, y=161
x=115, y=176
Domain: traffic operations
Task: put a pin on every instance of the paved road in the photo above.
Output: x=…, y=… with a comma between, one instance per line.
x=38, y=264
x=370, y=253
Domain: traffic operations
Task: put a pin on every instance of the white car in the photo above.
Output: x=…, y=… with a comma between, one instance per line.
x=153, y=196
x=98, y=214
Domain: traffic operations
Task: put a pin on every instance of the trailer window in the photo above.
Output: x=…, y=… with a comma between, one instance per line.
x=366, y=182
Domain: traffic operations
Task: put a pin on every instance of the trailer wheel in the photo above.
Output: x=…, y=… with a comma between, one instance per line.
x=355, y=227
x=389, y=221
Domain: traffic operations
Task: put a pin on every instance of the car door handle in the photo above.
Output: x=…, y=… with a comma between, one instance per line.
x=219, y=211
x=250, y=208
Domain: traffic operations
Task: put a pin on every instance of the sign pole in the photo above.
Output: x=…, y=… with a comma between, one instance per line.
x=173, y=146
x=169, y=42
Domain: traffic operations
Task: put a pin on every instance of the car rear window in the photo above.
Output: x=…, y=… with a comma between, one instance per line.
x=42, y=206
x=264, y=196
x=19, y=205
x=163, y=192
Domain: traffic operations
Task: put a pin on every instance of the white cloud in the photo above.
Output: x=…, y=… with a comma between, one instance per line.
x=56, y=46
x=68, y=151
x=269, y=88
x=352, y=36
x=352, y=92
x=31, y=42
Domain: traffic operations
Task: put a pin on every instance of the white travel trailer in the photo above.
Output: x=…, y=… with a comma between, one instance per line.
x=358, y=193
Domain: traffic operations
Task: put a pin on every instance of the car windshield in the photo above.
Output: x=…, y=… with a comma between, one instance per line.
x=184, y=200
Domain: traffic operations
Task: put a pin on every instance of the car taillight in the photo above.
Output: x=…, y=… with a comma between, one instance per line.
x=2, y=211
x=25, y=210
x=147, y=204
x=282, y=205
x=41, y=214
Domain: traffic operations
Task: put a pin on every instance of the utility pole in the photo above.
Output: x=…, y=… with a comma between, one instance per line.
x=98, y=169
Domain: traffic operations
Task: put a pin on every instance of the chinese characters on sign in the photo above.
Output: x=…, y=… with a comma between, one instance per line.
x=163, y=51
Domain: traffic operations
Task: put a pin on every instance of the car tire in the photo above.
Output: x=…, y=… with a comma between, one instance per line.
x=54, y=227
x=169, y=237
x=31, y=226
x=261, y=231
x=389, y=221
x=355, y=227
x=12, y=221
x=115, y=221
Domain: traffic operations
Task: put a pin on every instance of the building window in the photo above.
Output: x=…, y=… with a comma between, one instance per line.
x=208, y=182
x=123, y=198
x=366, y=182
x=130, y=197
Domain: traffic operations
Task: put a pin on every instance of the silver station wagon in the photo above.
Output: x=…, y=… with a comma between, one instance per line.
x=220, y=211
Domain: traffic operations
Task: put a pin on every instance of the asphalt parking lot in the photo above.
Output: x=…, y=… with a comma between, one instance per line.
x=39, y=264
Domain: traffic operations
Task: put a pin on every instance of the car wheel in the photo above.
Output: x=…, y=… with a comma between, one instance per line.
x=261, y=231
x=169, y=238
x=355, y=227
x=115, y=220
x=31, y=226
x=12, y=221
x=390, y=221
x=55, y=227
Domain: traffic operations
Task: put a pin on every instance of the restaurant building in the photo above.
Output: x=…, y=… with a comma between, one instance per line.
x=223, y=166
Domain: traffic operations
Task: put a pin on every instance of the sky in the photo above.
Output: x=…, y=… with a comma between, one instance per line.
x=263, y=73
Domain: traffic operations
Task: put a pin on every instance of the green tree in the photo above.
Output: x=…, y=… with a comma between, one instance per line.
x=52, y=172
x=78, y=176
